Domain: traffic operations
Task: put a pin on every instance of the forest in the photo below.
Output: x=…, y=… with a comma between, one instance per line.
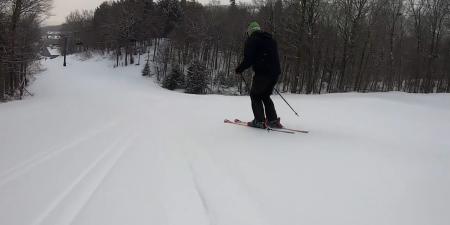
x=325, y=46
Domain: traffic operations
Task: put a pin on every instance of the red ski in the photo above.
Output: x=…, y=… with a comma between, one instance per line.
x=281, y=129
x=240, y=123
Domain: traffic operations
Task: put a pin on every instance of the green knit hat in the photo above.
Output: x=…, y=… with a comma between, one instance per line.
x=254, y=26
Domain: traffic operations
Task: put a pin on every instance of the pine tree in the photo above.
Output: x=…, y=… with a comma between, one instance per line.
x=196, y=79
x=220, y=78
x=146, y=70
x=173, y=80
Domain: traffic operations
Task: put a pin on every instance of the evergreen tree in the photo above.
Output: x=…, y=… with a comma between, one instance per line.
x=146, y=70
x=220, y=79
x=172, y=12
x=196, y=81
x=173, y=80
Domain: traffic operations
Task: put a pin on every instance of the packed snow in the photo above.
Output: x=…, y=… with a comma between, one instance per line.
x=104, y=146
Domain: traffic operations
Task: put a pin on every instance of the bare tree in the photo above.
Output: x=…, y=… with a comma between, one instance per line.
x=19, y=24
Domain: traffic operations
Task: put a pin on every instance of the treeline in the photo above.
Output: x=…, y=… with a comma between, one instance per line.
x=325, y=46
x=19, y=43
x=123, y=28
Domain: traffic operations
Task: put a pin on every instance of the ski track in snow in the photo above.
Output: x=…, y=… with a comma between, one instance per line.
x=108, y=159
x=106, y=146
x=221, y=195
x=40, y=158
x=203, y=199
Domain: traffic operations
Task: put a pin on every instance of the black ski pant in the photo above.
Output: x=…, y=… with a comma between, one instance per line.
x=260, y=93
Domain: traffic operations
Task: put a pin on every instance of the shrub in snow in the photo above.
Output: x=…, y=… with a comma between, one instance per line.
x=146, y=70
x=181, y=83
x=196, y=82
x=222, y=80
x=219, y=80
x=173, y=80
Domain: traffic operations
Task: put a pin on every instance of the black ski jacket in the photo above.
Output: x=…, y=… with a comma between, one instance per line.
x=261, y=53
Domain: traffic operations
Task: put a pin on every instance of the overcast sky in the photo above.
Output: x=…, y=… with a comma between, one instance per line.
x=62, y=8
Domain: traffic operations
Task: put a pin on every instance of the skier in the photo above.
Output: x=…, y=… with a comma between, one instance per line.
x=261, y=53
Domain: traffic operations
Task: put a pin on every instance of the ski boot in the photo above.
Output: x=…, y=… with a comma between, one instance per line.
x=274, y=124
x=257, y=124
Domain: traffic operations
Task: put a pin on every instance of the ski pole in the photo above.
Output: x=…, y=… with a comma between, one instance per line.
x=245, y=82
x=286, y=102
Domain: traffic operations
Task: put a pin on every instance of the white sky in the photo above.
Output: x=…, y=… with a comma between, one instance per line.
x=62, y=8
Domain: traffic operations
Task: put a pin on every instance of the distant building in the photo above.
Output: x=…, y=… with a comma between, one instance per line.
x=51, y=41
x=53, y=35
x=52, y=38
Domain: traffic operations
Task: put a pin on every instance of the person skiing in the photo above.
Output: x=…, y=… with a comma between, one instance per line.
x=261, y=53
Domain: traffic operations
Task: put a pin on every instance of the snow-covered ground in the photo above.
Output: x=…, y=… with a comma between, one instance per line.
x=104, y=146
x=54, y=51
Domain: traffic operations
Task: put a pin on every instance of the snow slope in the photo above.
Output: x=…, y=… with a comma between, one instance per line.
x=104, y=146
